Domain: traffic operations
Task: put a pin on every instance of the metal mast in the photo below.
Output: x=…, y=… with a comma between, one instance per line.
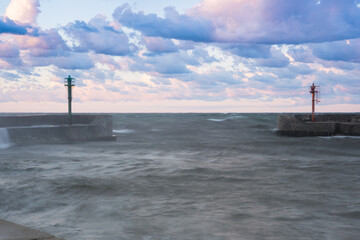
x=314, y=90
x=69, y=83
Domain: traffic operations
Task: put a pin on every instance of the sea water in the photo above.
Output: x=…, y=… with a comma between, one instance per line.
x=187, y=176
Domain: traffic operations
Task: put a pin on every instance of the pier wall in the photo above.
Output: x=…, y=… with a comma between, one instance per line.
x=35, y=129
x=12, y=231
x=325, y=125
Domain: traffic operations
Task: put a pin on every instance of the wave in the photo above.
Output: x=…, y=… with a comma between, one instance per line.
x=216, y=120
x=340, y=137
x=224, y=119
x=4, y=139
x=123, y=131
x=234, y=117
x=274, y=130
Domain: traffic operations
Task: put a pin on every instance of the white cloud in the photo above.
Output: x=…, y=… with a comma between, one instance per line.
x=25, y=11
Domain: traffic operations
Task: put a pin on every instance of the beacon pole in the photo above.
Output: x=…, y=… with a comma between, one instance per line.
x=314, y=90
x=69, y=83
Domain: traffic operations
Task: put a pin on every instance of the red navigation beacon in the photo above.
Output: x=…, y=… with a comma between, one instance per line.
x=315, y=92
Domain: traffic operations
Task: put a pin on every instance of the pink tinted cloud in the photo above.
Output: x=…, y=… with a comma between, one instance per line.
x=159, y=45
x=24, y=11
x=43, y=50
x=280, y=21
x=255, y=21
x=8, y=51
x=72, y=61
x=46, y=44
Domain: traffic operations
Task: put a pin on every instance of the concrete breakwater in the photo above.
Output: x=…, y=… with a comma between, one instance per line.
x=37, y=129
x=12, y=231
x=325, y=125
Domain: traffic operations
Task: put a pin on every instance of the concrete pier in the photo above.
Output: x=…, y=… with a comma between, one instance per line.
x=300, y=125
x=12, y=231
x=38, y=129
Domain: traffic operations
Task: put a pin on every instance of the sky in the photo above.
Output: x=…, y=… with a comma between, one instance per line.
x=179, y=56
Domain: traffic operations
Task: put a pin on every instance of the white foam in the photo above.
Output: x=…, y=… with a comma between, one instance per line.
x=4, y=139
x=341, y=136
x=123, y=131
x=216, y=120
x=224, y=119
x=234, y=117
x=274, y=129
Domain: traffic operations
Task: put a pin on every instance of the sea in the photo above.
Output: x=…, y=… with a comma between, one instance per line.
x=194, y=176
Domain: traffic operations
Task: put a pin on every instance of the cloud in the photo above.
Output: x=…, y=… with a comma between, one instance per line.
x=259, y=50
x=291, y=74
x=218, y=78
x=22, y=50
x=265, y=77
x=73, y=61
x=159, y=45
x=9, y=26
x=341, y=65
x=174, y=63
x=281, y=21
x=99, y=36
x=346, y=50
x=8, y=51
x=257, y=21
x=248, y=50
x=24, y=11
x=277, y=59
x=10, y=63
x=48, y=44
x=10, y=76
x=301, y=68
x=301, y=53
x=174, y=25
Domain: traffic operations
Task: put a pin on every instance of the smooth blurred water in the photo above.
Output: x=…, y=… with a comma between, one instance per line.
x=187, y=176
